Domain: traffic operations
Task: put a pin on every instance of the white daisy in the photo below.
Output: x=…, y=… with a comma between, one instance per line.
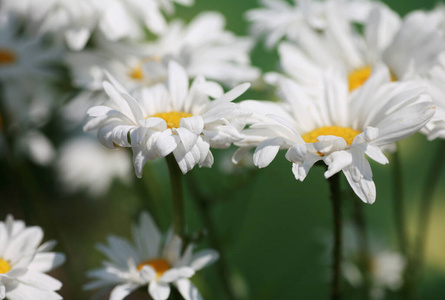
x=94, y=172
x=149, y=261
x=279, y=19
x=409, y=47
x=22, y=57
x=385, y=267
x=24, y=262
x=75, y=21
x=203, y=48
x=169, y=118
x=435, y=81
x=338, y=127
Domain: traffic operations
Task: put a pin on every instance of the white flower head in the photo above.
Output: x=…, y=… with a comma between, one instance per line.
x=279, y=19
x=94, y=172
x=150, y=261
x=435, y=81
x=24, y=262
x=76, y=21
x=338, y=127
x=169, y=118
x=409, y=47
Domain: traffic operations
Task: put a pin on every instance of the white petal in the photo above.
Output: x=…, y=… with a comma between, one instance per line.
x=188, y=290
x=122, y=291
x=158, y=291
x=178, y=83
x=266, y=151
x=203, y=258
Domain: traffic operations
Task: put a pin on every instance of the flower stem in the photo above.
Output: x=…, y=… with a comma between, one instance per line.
x=426, y=201
x=362, y=238
x=334, y=182
x=399, y=203
x=178, y=197
x=203, y=206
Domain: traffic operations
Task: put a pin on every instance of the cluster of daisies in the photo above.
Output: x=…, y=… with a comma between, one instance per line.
x=354, y=78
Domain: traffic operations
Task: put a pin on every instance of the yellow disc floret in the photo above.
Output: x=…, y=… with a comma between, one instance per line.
x=5, y=267
x=172, y=118
x=6, y=57
x=137, y=73
x=160, y=265
x=347, y=133
x=358, y=77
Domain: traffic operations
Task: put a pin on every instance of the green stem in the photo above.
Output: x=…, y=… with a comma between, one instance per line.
x=362, y=238
x=334, y=182
x=178, y=197
x=426, y=202
x=399, y=217
x=204, y=209
x=399, y=203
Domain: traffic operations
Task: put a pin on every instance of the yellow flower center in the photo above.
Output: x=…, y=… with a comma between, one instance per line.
x=5, y=267
x=347, y=133
x=172, y=118
x=6, y=57
x=137, y=73
x=358, y=77
x=160, y=265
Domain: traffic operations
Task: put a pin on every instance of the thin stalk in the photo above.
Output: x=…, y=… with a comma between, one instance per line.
x=399, y=203
x=426, y=202
x=334, y=182
x=204, y=209
x=178, y=197
x=399, y=217
x=362, y=237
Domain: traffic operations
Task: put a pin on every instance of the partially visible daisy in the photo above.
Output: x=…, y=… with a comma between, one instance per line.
x=435, y=81
x=94, y=172
x=24, y=262
x=385, y=267
x=409, y=47
x=149, y=261
x=76, y=21
x=203, y=47
x=337, y=127
x=279, y=19
x=23, y=57
x=169, y=118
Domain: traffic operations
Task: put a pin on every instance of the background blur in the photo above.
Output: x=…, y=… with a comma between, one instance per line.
x=273, y=228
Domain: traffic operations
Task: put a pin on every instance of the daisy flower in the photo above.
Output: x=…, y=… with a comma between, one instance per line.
x=149, y=261
x=409, y=47
x=435, y=81
x=24, y=262
x=75, y=21
x=338, y=127
x=202, y=47
x=94, y=172
x=169, y=118
x=279, y=19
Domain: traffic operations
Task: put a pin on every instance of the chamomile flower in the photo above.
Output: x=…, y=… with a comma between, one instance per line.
x=149, y=261
x=338, y=127
x=279, y=19
x=24, y=262
x=94, y=172
x=169, y=118
x=409, y=47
